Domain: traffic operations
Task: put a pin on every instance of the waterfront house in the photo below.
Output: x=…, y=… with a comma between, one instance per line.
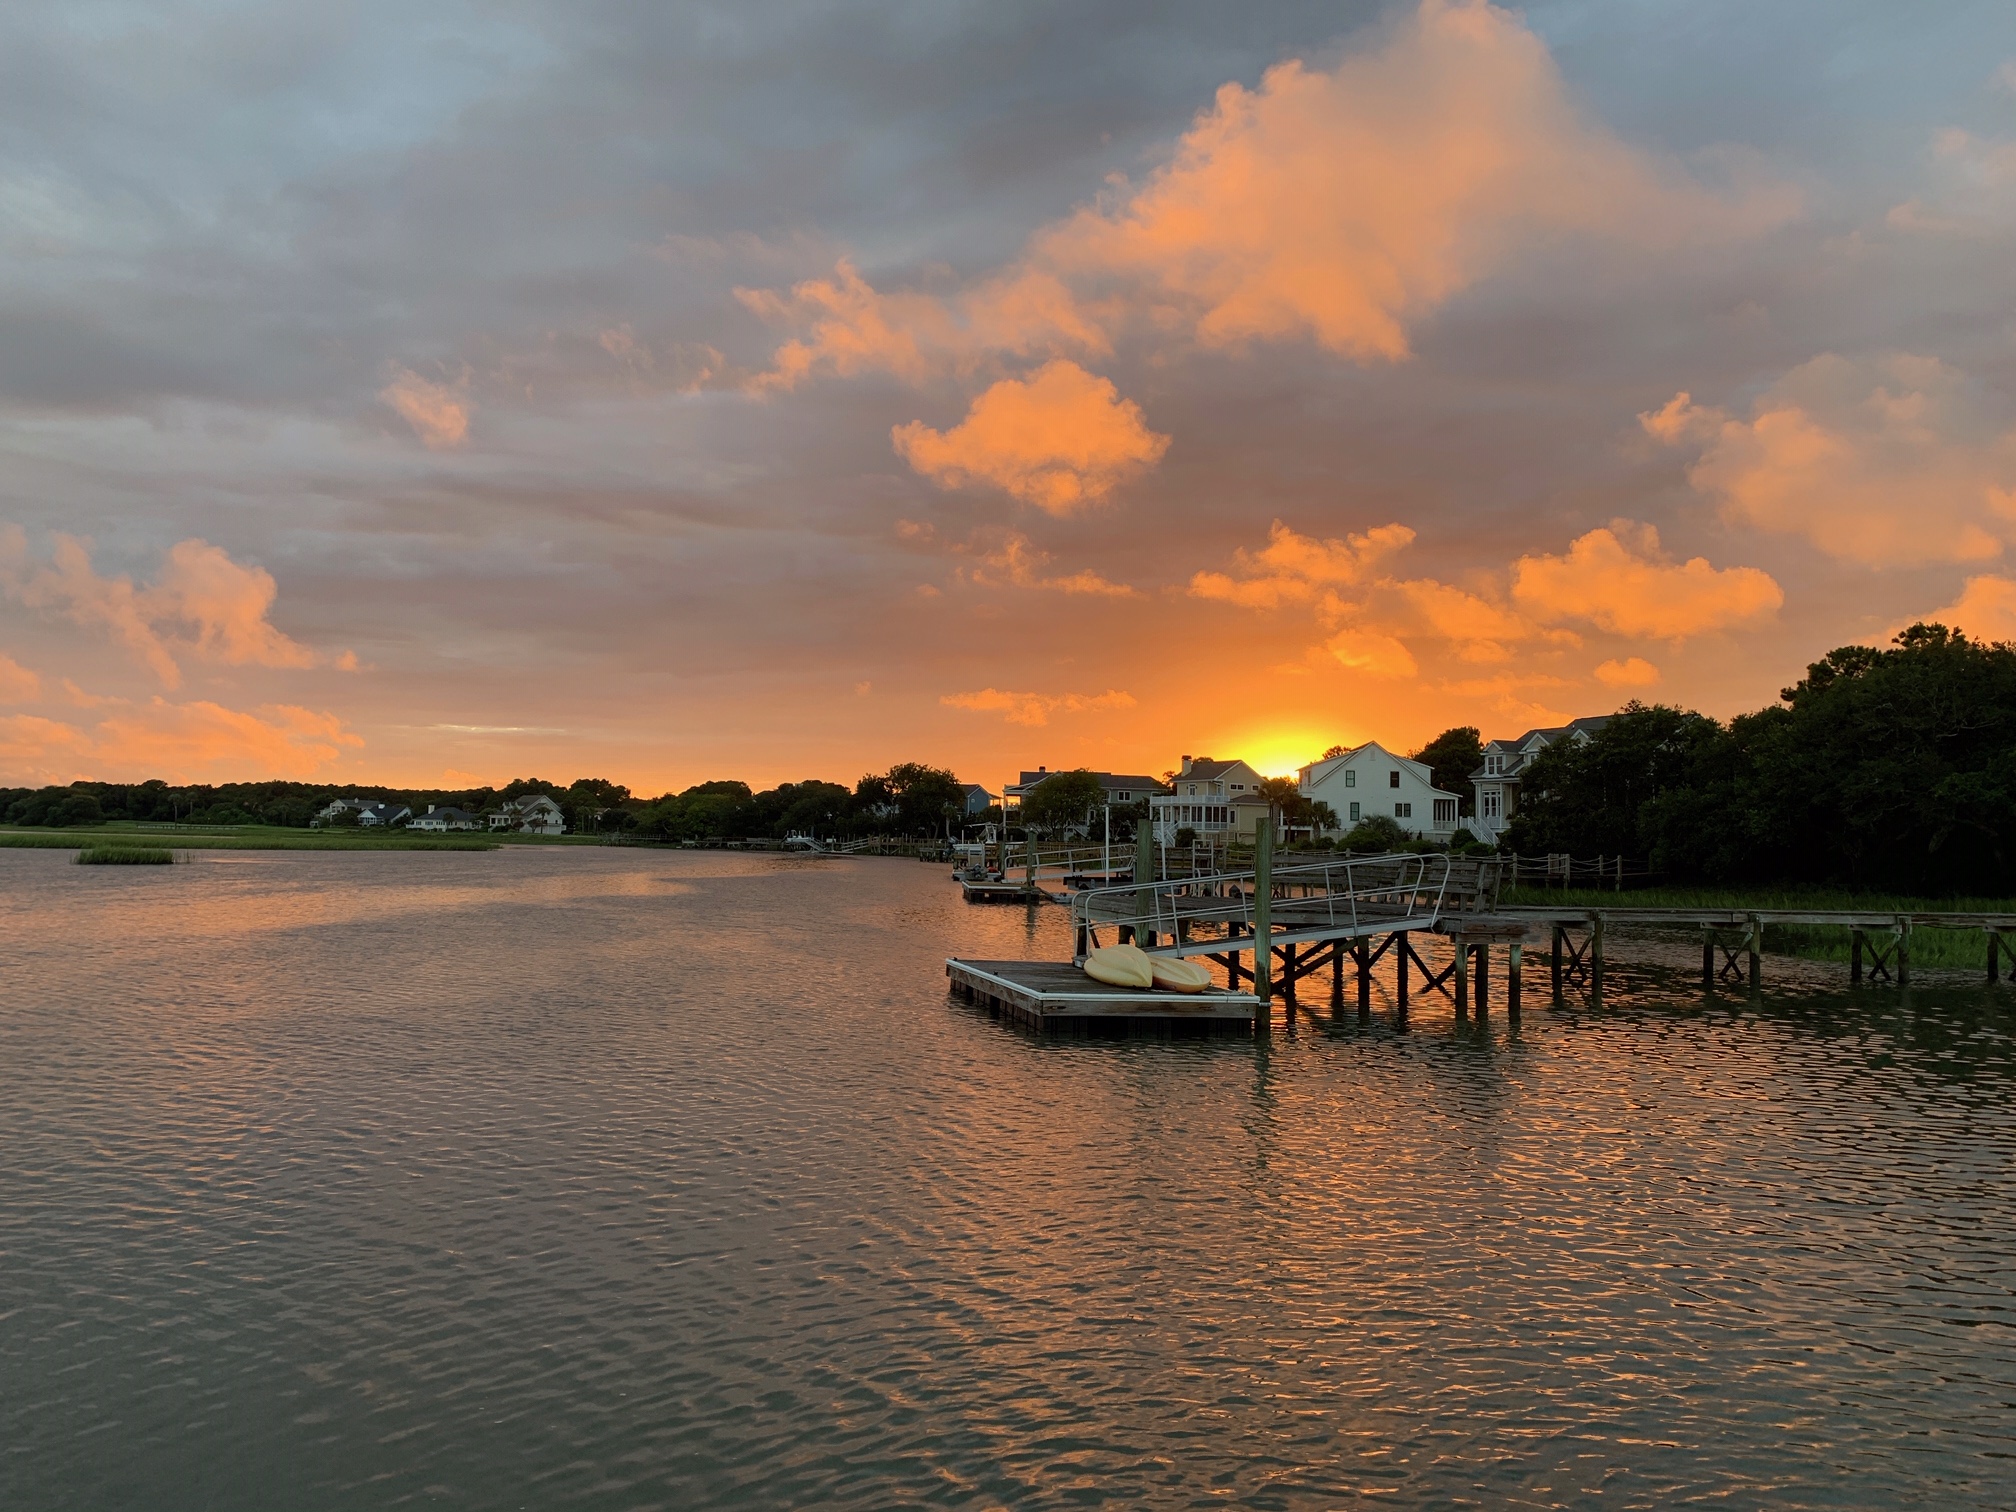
x=530, y=814
x=1120, y=787
x=1369, y=781
x=372, y=813
x=444, y=818
x=1496, y=782
x=978, y=800
x=1218, y=800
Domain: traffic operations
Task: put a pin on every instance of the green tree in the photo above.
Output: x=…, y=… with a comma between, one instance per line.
x=1585, y=796
x=1450, y=758
x=1063, y=801
x=1378, y=834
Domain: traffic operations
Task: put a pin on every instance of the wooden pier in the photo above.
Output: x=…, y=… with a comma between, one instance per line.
x=1272, y=930
x=1045, y=994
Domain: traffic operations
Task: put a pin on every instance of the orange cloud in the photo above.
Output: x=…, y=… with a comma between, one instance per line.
x=1009, y=559
x=17, y=684
x=1986, y=609
x=69, y=585
x=1617, y=579
x=1371, y=651
x=1885, y=462
x=1337, y=205
x=1063, y=441
x=1036, y=708
x=1294, y=569
x=226, y=605
x=210, y=605
x=1479, y=628
x=438, y=413
x=1631, y=672
x=189, y=742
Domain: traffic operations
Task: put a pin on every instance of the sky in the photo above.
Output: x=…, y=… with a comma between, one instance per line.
x=436, y=395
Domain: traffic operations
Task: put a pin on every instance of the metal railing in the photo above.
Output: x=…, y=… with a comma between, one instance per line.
x=1316, y=900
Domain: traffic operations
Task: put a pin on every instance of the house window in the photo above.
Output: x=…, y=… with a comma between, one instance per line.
x=1392, y=779
x=1445, y=811
x=1354, y=813
x=1490, y=797
x=1350, y=779
x=1124, y=798
x=1403, y=811
x=1493, y=765
x=1238, y=787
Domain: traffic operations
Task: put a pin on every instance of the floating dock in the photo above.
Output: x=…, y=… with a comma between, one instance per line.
x=1046, y=993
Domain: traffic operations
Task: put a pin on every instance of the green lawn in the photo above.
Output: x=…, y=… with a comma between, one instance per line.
x=1958, y=948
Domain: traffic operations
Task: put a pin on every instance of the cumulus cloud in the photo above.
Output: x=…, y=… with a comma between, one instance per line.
x=197, y=741
x=1036, y=708
x=1972, y=192
x=1063, y=441
x=203, y=603
x=1366, y=650
x=1009, y=559
x=1883, y=462
x=1338, y=205
x=1986, y=609
x=18, y=685
x=225, y=606
x=1617, y=579
x=438, y=412
x=1295, y=569
x=1630, y=672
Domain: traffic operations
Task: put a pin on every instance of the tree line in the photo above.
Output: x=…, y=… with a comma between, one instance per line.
x=910, y=798
x=1890, y=768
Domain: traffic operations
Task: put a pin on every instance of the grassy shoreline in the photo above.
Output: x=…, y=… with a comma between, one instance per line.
x=245, y=837
x=1959, y=949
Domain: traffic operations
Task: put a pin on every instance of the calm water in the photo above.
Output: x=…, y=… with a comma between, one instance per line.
x=609, y=1180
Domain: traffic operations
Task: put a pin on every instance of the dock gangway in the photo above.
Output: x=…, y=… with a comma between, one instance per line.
x=1334, y=899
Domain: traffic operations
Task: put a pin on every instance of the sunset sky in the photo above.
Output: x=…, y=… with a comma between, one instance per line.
x=437, y=394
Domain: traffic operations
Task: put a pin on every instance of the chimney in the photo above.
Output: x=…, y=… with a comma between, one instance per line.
x=430, y=808
x=1186, y=763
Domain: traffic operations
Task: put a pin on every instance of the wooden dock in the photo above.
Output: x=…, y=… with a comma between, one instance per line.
x=1049, y=993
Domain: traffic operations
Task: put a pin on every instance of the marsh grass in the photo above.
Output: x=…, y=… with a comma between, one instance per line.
x=1930, y=946
x=125, y=855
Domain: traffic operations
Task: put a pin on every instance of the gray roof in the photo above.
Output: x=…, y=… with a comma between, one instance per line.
x=1588, y=724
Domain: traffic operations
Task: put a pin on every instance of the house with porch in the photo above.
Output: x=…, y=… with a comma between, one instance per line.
x=1217, y=800
x=372, y=813
x=977, y=800
x=529, y=814
x=444, y=819
x=1497, y=781
x=1120, y=788
x=1370, y=781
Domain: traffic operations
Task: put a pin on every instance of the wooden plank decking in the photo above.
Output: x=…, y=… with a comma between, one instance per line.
x=1053, y=992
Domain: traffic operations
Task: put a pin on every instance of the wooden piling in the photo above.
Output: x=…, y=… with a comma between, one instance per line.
x=1854, y=956
x=1263, y=915
x=1994, y=956
x=1707, y=959
x=1596, y=953
x=1144, y=882
x=1554, y=959
x=1903, y=952
x=1513, y=954
x=1400, y=981
x=1483, y=987
x=1462, y=979
x=1756, y=941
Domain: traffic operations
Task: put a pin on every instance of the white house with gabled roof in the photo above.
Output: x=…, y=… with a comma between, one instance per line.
x=1370, y=781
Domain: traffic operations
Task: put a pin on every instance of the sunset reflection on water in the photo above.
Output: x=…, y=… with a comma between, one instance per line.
x=628, y=1179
